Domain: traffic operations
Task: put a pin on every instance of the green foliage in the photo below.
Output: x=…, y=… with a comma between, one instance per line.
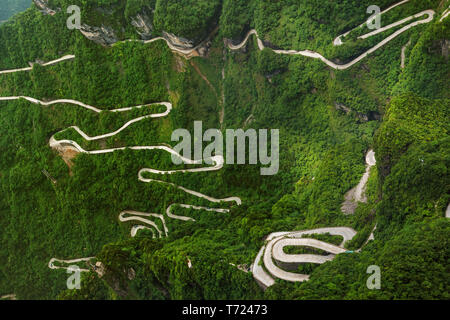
x=92, y=288
x=321, y=151
x=236, y=17
x=413, y=266
x=427, y=69
x=409, y=120
x=191, y=19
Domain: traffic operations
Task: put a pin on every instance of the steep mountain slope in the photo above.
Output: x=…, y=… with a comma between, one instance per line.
x=59, y=203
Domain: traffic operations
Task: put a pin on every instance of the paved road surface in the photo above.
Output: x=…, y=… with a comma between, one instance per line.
x=315, y=55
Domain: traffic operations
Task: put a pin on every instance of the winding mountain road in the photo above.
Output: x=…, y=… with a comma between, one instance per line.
x=272, y=253
x=96, y=110
x=338, y=40
x=51, y=263
x=280, y=256
x=311, y=54
x=275, y=260
x=197, y=194
x=138, y=216
x=54, y=143
x=59, y=101
x=218, y=162
x=237, y=200
x=64, y=58
x=445, y=14
x=186, y=52
x=188, y=206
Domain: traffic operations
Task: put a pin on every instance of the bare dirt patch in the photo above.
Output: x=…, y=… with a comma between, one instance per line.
x=68, y=154
x=180, y=66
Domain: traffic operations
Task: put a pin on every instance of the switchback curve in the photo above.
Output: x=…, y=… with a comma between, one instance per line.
x=311, y=54
x=272, y=253
x=51, y=263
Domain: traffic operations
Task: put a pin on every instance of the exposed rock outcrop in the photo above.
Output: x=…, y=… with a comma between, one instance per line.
x=131, y=274
x=101, y=35
x=106, y=35
x=99, y=268
x=371, y=115
x=180, y=42
x=341, y=107
x=362, y=116
x=143, y=24
x=374, y=115
x=44, y=8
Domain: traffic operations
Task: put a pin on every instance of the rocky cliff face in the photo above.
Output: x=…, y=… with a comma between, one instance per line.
x=143, y=24
x=178, y=41
x=105, y=35
x=440, y=47
x=371, y=115
x=44, y=8
x=342, y=107
x=101, y=35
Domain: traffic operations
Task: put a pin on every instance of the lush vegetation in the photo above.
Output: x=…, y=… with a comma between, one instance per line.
x=401, y=113
x=188, y=18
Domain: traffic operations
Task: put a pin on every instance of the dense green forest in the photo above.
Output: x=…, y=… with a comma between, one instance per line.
x=328, y=119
